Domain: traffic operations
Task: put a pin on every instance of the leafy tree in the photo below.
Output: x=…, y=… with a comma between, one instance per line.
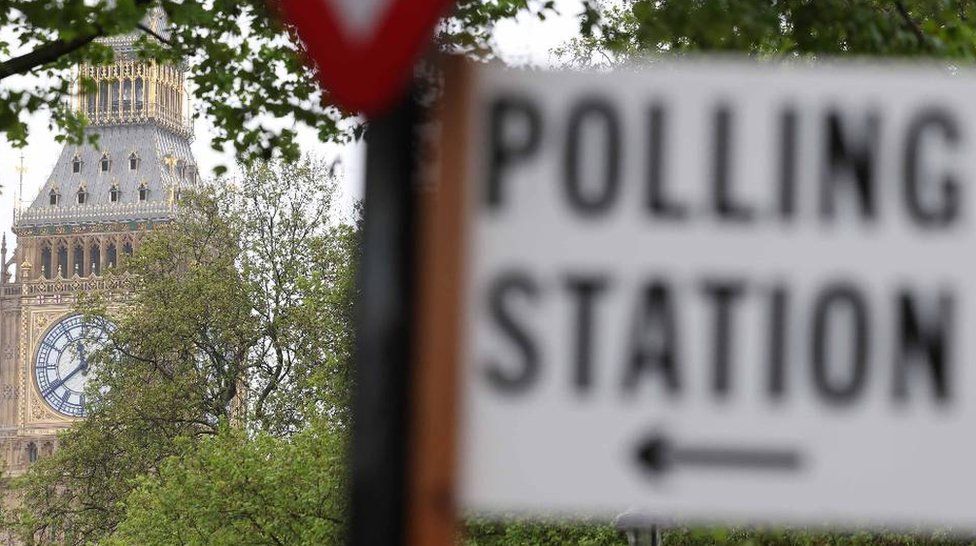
x=240, y=315
x=527, y=533
x=246, y=68
x=612, y=32
x=235, y=489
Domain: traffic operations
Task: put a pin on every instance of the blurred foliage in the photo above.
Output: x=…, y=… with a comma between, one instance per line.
x=245, y=68
x=512, y=533
x=524, y=533
x=614, y=31
x=469, y=29
x=795, y=537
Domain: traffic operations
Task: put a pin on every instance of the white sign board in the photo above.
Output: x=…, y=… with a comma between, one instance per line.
x=714, y=290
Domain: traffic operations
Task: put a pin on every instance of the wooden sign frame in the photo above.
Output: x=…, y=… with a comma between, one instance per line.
x=432, y=503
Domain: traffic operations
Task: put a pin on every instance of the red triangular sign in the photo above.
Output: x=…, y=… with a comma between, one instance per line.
x=364, y=49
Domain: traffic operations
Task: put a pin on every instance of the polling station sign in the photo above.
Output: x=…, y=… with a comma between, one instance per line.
x=715, y=290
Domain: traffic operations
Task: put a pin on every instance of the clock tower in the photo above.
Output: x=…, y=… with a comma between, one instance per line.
x=90, y=215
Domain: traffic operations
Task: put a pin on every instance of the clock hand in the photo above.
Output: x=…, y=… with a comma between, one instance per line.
x=83, y=357
x=50, y=388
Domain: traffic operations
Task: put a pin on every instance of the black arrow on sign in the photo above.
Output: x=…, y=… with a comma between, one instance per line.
x=658, y=454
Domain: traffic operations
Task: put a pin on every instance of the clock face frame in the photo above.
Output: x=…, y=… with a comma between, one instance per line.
x=61, y=364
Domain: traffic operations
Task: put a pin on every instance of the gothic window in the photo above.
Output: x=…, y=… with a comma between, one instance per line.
x=82, y=196
x=54, y=198
x=133, y=161
x=76, y=165
x=62, y=262
x=115, y=97
x=95, y=255
x=111, y=256
x=79, y=261
x=127, y=248
x=106, y=163
x=143, y=192
x=91, y=104
x=127, y=96
x=114, y=194
x=46, y=262
x=103, y=97
x=140, y=91
x=32, y=453
x=181, y=169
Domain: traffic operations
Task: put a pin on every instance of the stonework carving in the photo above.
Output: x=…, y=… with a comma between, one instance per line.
x=37, y=410
x=40, y=322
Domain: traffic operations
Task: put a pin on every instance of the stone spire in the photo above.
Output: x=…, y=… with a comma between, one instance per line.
x=137, y=111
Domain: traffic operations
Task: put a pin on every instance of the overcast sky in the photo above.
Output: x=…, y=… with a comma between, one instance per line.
x=525, y=41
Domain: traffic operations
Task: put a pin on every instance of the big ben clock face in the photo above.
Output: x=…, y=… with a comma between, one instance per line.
x=61, y=368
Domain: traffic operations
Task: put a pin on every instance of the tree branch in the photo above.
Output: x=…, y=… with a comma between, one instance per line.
x=52, y=51
x=912, y=24
x=153, y=33
x=44, y=54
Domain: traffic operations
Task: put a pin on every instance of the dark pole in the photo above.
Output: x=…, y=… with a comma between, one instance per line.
x=384, y=333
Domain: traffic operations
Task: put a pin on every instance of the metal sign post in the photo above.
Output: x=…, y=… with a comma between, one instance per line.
x=384, y=344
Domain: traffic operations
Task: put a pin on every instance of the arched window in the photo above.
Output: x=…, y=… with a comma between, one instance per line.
x=143, y=192
x=76, y=165
x=127, y=96
x=63, y=262
x=106, y=163
x=111, y=256
x=79, y=260
x=127, y=248
x=32, y=453
x=103, y=97
x=114, y=194
x=82, y=196
x=115, y=97
x=53, y=198
x=140, y=91
x=181, y=169
x=46, y=262
x=95, y=255
x=133, y=161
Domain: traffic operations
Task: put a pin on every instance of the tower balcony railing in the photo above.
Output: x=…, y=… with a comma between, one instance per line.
x=176, y=123
x=108, y=212
x=75, y=284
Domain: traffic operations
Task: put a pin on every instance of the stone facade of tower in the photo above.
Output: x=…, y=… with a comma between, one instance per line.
x=97, y=204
